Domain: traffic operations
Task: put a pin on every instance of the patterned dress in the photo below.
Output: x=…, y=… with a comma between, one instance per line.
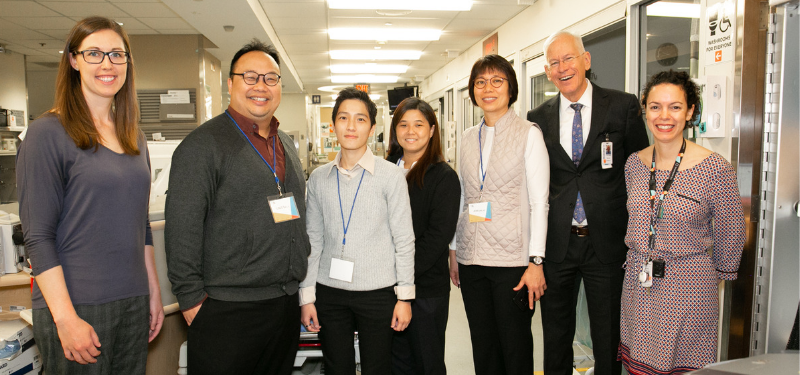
x=671, y=327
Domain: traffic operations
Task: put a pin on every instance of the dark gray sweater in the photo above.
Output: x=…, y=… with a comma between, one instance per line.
x=86, y=211
x=221, y=239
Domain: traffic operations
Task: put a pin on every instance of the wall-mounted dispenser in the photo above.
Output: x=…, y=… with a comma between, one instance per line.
x=713, y=122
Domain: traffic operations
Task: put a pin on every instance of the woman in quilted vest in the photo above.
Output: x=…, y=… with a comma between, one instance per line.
x=500, y=237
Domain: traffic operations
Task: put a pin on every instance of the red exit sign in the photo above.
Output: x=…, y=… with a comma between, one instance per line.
x=363, y=87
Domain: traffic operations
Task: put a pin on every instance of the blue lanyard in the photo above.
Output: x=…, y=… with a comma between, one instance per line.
x=480, y=150
x=339, y=192
x=274, y=160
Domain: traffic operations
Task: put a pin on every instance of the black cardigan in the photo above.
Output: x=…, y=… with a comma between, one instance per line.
x=434, y=211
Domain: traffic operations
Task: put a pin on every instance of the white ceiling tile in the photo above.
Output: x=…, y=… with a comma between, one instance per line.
x=149, y=10
x=130, y=23
x=295, y=9
x=37, y=43
x=20, y=34
x=85, y=9
x=316, y=38
x=24, y=9
x=134, y=1
x=179, y=31
x=60, y=34
x=492, y=11
x=162, y=24
x=43, y=23
x=142, y=32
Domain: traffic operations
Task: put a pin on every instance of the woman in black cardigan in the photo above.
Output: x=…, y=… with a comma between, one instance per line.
x=435, y=192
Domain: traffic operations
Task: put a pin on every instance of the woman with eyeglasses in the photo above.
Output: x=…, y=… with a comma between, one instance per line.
x=433, y=187
x=84, y=184
x=500, y=237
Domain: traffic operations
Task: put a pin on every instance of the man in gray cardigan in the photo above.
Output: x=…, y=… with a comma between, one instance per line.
x=236, y=239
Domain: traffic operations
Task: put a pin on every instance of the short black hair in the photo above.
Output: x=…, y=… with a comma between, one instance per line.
x=681, y=79
x=500, y=64
x=352, y=93
x=255, y=45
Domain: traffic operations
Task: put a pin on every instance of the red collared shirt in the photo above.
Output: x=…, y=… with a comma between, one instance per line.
x=263, y=145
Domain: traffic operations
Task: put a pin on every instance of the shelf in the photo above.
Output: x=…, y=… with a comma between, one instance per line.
x=8, y=153
x=19, y=278
x=18, y=129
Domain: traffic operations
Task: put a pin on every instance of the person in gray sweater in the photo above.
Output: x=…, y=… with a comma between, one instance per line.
x=235, y=235
x=361, y=268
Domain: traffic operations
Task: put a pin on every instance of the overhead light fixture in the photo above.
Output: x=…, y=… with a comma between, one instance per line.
x=669, y=9
x=384, y=34
x=368, y=68
x=228, y=28
x=447, y=5
x=364, y=78
x=375, y=55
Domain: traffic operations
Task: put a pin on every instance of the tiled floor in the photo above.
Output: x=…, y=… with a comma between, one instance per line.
x=458, y=350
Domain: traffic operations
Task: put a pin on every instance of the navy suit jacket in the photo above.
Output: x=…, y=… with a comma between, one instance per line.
x=617, y=116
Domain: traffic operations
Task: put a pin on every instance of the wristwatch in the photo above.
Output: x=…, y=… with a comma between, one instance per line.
x=537, y=260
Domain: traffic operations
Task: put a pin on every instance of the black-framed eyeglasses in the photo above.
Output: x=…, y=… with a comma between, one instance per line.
x=496, y=82
x=251, y=78
x=93, y=56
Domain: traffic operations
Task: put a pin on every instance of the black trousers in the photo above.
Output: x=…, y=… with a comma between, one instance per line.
x=341, y=313
x=122, y=327
x=243, y=338
x=500, y=332
x=603, y=284
x=420, y=348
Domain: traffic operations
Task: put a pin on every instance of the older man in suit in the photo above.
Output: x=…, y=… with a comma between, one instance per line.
x=589, y=132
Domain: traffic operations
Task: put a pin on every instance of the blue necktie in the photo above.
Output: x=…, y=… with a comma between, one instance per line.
x=577, y=149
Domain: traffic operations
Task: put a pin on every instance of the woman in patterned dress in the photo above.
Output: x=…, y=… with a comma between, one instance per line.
x=696, y=228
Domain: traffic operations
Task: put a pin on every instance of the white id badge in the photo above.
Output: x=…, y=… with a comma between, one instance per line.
x=607, y=154
x=283, y=207
x=479, y=212
x=646, y=276
x=341, y=270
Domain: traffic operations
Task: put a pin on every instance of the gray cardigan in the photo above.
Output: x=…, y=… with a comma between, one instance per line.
x=380, y=238
x=221, y=239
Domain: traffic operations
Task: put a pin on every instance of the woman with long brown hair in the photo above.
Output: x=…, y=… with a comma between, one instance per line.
x=434, y=190
x=84, y=182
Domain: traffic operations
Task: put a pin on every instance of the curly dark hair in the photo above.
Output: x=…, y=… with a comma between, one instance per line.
x=499, y=64
x=681, y=79
x=352, y=93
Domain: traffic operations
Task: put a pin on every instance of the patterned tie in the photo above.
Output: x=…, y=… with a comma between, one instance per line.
x=577, y=149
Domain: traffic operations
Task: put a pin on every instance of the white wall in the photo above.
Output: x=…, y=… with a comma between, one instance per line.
x=13, y=94
x=292, y=115
x=41, y=90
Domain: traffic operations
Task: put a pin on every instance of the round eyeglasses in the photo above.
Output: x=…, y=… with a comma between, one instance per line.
x=93, y=56
x=251, y=78
x=496, y=82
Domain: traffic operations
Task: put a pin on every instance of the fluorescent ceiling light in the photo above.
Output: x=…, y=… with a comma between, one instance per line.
x=667, y=9
x=451, y=5
x=364, y=78
x=384, y=34
x=368, y=68
x=375, y=55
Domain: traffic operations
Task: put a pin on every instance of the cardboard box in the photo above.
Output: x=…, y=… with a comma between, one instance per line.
x=29, y=361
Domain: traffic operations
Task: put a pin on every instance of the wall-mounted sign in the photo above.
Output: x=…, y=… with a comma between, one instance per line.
x=316, y=99
x=363, y=87
x=490, y=45
x=720, y=31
